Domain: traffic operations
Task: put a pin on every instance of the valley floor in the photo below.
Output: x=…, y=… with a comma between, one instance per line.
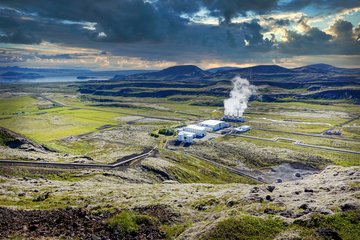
x=287, y=178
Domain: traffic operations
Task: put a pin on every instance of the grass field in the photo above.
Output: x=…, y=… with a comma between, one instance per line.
x=72, y=114
x=344, y=159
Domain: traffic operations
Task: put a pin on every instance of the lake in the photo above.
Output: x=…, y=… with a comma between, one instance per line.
x=54, y=79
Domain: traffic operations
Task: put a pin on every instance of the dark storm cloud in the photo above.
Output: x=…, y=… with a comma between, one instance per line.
x=13, y=31
x=121, y=21
x=136, y=20
x=181, y=6
x=315, y=42
x=162, y=29
x=133, y=21
x=252, y=32
x=278, y=22
x=231, y=8
x=32, y=29
x=329, y=5
x=21, y=37
x=346, y=37
x=343, y=30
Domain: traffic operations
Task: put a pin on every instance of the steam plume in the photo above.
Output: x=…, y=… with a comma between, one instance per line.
x=239, y=97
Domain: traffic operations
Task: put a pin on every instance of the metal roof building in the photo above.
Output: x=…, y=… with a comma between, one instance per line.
x=198, y=130
x=214, y=125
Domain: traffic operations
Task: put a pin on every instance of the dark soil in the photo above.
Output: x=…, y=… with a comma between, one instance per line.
x=73, y=223
x=161, y=212
x=67, y=223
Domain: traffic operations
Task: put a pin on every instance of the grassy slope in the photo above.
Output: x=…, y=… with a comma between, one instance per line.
x=189, y=169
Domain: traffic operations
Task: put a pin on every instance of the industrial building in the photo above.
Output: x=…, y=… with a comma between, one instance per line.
x=186, y=137
x=198, y=130
x=214, y=125
x=243, y=128
x=234, y=118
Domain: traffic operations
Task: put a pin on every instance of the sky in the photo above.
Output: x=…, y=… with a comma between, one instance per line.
x=155, y=34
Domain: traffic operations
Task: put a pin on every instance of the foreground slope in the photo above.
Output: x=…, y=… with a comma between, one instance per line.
x=183, y=211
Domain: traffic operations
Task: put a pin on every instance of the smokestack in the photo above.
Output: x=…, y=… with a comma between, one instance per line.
x=239, y=97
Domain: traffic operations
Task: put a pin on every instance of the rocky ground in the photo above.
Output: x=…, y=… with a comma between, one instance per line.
x=199, y=208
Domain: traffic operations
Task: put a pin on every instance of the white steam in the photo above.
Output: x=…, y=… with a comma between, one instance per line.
x=239, y=97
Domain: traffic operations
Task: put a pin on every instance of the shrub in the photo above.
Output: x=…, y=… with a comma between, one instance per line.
x=125, y=222
x=154, y=135
x=129, y=222
x=246, y=228
x=346, y=225
x=167, y=131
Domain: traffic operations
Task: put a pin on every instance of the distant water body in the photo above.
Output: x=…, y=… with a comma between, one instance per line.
x=55, y=79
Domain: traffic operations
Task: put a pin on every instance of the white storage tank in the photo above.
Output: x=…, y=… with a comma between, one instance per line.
x=243, y=128
x=187, y=137
x=181, y=136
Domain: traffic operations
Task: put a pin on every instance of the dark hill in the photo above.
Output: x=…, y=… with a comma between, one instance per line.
x=218, y=69
x=326, y=69
x=181, y=70
x=173, y=73
x=19, y=75
x=318, y=68
x=262, y=69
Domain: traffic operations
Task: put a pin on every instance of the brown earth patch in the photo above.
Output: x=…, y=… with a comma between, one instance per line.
x=70, y=223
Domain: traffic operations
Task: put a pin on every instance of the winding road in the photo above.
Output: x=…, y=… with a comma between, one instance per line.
x=77, y=165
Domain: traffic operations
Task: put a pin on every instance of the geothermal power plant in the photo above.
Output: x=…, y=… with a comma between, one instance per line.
x=233, y=118
x=234, y=108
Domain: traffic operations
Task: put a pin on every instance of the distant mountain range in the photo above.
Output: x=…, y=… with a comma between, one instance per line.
x=19, y=73
x=185, y=72
x=313, y=68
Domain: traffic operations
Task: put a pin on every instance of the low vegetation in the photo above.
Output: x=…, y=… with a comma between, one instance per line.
x=167, y=131
x=130, y=222
x=344, y=226
x=246, y=228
